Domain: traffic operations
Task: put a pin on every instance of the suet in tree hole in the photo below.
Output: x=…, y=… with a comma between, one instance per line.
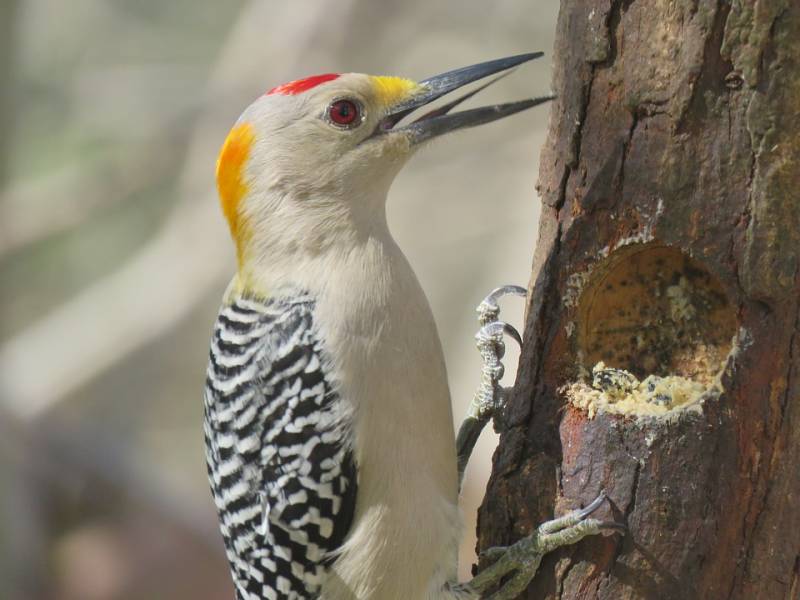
x=654, y=329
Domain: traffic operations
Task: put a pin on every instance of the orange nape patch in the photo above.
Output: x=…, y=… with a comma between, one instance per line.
x=301, y=85
x=231, y=183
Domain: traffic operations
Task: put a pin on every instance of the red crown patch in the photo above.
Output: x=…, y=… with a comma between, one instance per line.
x=302, y=85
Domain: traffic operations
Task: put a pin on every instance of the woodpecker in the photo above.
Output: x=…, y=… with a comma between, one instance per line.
x=328, y=427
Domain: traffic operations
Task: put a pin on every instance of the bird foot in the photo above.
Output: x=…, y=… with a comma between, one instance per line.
x=523, y=558
x=490, y=398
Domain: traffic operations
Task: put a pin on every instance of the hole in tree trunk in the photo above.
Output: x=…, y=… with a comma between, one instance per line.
x=655, y=327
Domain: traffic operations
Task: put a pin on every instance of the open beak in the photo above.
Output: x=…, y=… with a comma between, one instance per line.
x=439, y=121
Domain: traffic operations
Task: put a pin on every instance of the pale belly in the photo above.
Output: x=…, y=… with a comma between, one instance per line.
x=406, y=529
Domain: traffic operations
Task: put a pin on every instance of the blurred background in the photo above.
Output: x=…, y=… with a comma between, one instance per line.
x=114, y=254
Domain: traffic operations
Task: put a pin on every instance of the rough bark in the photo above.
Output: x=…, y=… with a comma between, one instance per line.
x=673, y=156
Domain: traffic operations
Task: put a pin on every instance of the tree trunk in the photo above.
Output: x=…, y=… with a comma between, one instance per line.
x=669, y=247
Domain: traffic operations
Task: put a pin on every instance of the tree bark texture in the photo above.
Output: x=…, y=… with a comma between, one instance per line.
x=673, y=163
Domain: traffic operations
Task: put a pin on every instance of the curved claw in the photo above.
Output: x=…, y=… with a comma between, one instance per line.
x=504, y=290
x=489, y=309
x=511, y=331
x=593, y=505
x=495, y=328
x=614, y=527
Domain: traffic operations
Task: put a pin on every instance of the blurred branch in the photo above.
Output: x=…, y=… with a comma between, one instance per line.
x=64, y=197
x=117, y=315
x=81, y=190
x=163, y=282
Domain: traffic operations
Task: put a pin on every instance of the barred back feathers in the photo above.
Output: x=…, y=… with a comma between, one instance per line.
x=278, y=447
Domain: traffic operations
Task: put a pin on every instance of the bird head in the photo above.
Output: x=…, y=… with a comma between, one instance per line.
x=313, y=159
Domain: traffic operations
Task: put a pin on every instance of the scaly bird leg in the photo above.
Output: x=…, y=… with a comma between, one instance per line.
x=490, y=398
x=523, y=558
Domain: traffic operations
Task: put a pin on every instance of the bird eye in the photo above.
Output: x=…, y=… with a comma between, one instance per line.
x=344, y=113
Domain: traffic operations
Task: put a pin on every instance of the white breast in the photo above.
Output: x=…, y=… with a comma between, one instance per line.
x=388, y=357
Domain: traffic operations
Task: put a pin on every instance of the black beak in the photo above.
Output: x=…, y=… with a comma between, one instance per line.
x=439, y=121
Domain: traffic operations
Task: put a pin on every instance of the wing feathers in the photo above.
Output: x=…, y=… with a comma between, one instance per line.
x=278, y=448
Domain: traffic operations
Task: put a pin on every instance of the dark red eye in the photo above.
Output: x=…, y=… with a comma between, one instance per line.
x=344, y=112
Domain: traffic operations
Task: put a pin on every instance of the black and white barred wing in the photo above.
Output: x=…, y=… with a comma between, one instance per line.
x=278, y=451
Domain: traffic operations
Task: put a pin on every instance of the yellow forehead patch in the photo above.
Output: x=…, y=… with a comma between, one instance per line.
x=391, y=90
x=231, y=183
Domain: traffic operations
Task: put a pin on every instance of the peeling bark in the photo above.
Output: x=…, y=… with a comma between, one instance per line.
x=677, y=125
